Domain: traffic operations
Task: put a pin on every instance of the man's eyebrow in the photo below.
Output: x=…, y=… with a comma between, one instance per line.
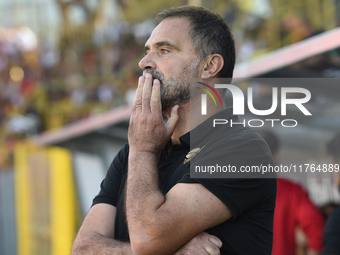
x=162, y=43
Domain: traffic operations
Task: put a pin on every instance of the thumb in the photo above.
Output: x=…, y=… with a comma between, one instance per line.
x=172, y=121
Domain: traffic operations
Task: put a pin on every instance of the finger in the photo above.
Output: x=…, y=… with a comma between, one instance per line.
x=172, y=121
x=139, y=91
x=212, y=249
x=147, y=87
x=156, y=106
x=215, y=240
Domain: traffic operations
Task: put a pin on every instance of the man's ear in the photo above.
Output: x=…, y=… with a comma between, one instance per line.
x=212, y=66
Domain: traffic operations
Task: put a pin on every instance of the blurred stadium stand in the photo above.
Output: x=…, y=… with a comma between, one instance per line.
x=65, y=102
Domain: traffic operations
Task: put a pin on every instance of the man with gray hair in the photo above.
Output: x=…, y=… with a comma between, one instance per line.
x=148, y=204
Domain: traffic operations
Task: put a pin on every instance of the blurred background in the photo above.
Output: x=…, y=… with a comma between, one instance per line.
x=68, y=73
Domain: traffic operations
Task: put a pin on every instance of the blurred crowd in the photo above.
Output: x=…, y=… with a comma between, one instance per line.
x=47, y=84
x=45, y=87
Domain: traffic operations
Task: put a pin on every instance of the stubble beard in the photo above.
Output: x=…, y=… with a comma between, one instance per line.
x=176, y=91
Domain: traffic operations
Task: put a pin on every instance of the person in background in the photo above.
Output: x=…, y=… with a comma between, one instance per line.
x=332, y=230
x=294, y=212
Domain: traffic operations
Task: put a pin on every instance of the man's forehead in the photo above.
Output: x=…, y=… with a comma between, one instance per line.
x=175, y=30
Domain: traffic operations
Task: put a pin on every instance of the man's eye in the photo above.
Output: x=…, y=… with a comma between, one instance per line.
x=163, y=51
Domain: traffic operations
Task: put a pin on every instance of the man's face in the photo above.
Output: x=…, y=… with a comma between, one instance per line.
x=171, y=58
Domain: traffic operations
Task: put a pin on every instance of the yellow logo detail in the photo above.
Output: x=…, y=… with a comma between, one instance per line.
x=192, y=154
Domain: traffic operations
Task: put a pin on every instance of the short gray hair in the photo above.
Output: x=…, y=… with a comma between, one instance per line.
x=209, y=32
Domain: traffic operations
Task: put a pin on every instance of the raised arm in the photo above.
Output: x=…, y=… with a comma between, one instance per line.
x=159, y=222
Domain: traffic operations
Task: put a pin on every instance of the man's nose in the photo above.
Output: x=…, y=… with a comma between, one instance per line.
x=147, y=62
